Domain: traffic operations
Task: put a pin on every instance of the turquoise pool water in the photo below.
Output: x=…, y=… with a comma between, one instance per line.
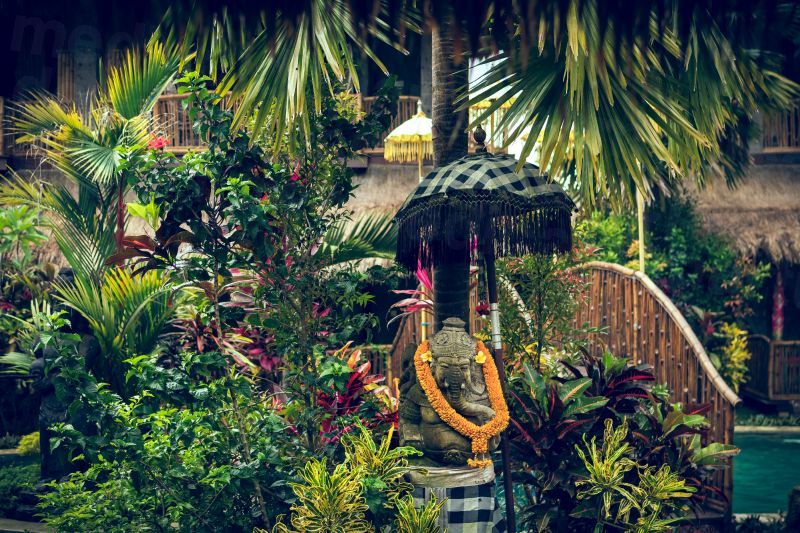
x=764, y=471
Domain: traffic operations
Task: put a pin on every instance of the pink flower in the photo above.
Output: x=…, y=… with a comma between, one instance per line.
x=295, y=173
x=158, y=143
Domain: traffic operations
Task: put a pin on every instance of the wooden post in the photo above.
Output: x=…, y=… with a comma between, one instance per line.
x=487, y=239
x=419, y=157
x=423, y=312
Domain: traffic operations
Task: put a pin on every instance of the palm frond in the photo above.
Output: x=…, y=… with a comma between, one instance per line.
x=369, y=236
x=614, y=116
x=41, y=114
x=15, y=363
x=136, y=84
x=127, y=315
x=276, y=63
x=81, y=226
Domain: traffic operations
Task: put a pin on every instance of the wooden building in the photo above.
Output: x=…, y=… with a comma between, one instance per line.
x=761, y=218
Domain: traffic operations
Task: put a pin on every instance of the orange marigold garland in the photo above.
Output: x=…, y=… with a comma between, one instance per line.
x=480, y=435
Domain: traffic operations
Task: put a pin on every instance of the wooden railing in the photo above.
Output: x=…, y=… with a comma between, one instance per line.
x=774, y=369
x=173, y=122
x=781, y=130
x=406, y=108
x=641, y=323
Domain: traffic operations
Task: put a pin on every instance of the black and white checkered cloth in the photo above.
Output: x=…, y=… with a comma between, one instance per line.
x=484, y=196
x=471, y=509
x=483, y=172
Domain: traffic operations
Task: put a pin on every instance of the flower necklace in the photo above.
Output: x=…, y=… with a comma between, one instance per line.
x=480, y=435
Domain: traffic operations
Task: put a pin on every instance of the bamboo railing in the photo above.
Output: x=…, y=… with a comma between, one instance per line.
x=640, y=322
x=774, y=369
x=173, y=123
x=406, y=108
x=781, y=130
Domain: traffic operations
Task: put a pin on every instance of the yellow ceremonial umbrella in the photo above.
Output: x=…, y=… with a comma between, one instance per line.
x=411, y=141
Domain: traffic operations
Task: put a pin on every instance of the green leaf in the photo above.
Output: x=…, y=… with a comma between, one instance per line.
x=573, y=389
x=584, y=405
x=714, y=454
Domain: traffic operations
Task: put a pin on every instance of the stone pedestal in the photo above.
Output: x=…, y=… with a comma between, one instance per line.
x=469, y=493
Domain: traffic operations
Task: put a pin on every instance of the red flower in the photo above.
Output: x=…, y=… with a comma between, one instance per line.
x=158, y=143
x=482, y=308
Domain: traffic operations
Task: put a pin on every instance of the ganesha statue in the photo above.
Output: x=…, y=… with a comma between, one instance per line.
x=452, y=407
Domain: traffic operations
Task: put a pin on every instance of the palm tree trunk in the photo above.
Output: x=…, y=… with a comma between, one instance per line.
x=448, y=75
x=119, y=234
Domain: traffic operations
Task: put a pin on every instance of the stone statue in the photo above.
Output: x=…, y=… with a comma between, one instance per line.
x=52, y=410
x=461, y=381
x=54, y=406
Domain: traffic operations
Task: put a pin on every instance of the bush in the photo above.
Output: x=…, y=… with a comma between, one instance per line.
x=366, y=492
x=755, y=524
x=15, y=478
x=731, y=360
x=561, y=417
x=29, y=444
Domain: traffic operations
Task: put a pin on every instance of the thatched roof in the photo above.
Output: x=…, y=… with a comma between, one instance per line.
x=762, y=214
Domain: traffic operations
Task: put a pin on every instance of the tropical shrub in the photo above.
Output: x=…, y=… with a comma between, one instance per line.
x=731, y=359
x=205, y=426
x=425, y=519
x=15, y=478
x=644, y=506
x=19, y=234
x=553, y=413
x=29, y=444
x=694, y=267
x=173, y=454
x=761, y=524
x=9, y=441
x=366, y=492
x=539, y=298
x=699, y=271
x=21, y=281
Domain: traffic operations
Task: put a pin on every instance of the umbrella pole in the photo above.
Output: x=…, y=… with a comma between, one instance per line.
x=423, y=313
x=497, y=351
x=419, y=159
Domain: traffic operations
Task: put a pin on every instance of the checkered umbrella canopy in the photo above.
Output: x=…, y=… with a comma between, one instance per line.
x=483, y=195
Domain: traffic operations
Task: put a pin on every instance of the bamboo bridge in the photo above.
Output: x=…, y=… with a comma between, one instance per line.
x=639, y=321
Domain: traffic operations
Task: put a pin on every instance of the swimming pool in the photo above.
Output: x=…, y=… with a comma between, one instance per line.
x=764, y=471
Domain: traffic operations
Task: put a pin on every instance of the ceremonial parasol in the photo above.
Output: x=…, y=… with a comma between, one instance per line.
x=509, y=212
x=411, y=141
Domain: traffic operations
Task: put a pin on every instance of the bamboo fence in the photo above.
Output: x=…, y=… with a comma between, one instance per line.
x=774, y=369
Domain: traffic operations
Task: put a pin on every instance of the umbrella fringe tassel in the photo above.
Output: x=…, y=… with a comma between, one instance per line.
x=441, y=230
